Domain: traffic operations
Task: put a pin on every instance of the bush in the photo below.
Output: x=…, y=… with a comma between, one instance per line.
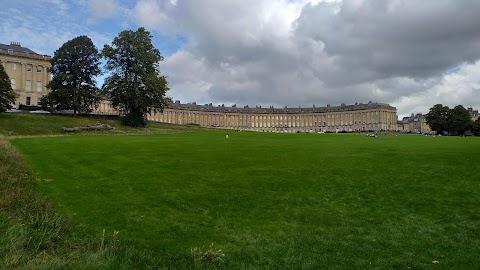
x=29, y=107
x=134, y=119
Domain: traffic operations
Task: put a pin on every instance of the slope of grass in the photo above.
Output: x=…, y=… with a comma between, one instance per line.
x=42, y=125
x=272, y=201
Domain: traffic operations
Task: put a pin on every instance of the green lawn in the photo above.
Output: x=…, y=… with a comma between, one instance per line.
x=273, y=201
x=15, y=124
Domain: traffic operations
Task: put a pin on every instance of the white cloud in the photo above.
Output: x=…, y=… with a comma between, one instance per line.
x=302, y=52
x=283, y=52
x=156, y=15
x=103, y=8
x=61, y=7
x=460, y=88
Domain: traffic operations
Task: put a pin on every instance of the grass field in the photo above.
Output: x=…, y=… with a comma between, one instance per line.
x=272, y=201
x=51, y=125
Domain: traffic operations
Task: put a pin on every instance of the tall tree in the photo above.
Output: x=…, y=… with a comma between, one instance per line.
x=476, y=127
x=459, y=120
x=7, y=95
x=73, y=87
x=134, y=86
x=437, y=118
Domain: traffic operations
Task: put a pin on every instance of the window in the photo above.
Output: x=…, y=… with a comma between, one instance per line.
x=39, y=68
x=27, y=102
x=39, y=86
x=29, y=67
x=28, y=85
x=14, y=84
x=10, y=51
x=13, y=66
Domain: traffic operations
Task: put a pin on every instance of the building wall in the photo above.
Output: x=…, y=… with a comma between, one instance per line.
x=415, y=124
x=29, y=75
x=371, y=117
x=473, y=113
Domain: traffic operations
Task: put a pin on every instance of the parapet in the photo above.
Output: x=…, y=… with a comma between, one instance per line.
x=271, y=110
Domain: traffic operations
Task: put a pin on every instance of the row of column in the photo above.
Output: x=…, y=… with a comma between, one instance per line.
x=23, y=71
x=369, y=120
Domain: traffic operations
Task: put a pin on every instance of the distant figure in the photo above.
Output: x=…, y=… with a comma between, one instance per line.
x=227, y=136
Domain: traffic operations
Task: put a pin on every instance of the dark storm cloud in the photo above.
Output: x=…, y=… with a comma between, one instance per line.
x=382, y=39
x=392, y=51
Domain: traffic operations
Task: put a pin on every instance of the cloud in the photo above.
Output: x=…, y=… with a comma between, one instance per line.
x=103, y=8
x=302, y=52
x=461, y=87
x=44, y=36
x=156, y=15
x=410, y=54
x=394, y=38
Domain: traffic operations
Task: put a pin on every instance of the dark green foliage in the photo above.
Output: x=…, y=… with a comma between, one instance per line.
x=29, y=107
x=134, y=119
x=476, y=127
x=459, y=120
x=73, y=86
x=454, y=121
x=437, y=118
x=134, y=86
x=7, y=95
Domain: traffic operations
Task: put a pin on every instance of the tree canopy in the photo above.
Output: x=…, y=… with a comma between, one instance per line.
x=459, y=120
x=7, y=94
x=134, y=86
x=437, y=118
x=454, y=121
x=73, y=87
x=476, y=127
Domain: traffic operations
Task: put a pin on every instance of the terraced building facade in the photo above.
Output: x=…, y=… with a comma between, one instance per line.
x=28, y=72
x=344, y=118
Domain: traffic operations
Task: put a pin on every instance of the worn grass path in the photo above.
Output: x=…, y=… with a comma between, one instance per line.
x=273, y=201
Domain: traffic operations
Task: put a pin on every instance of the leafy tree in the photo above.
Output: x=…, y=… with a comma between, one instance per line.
x=134, y=86
x=437, y=118
x=73, y=87
x=459, y=120
x=476, y=127
x=7, y=95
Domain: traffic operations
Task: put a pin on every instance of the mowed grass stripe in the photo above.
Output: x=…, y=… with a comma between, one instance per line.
x=274, y=200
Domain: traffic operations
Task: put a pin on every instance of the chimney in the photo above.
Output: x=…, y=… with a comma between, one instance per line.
x=13, y=43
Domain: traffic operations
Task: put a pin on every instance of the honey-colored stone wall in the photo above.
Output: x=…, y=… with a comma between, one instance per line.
x=30, y=75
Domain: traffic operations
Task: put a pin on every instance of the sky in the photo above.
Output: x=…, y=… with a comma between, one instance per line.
x=411, y=54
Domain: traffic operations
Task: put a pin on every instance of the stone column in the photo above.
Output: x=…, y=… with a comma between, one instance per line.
x=23, y=83
x=44, y=78
x=34, y=78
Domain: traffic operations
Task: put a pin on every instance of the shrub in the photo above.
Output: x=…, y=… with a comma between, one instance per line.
x=134, y=119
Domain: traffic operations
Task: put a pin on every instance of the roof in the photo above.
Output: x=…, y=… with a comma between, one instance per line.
x=16, y=48
x=419, y=117
x=342, y=108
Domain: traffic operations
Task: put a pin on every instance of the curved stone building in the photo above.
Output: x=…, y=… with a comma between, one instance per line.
x=28, y=72
x=350, y=118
